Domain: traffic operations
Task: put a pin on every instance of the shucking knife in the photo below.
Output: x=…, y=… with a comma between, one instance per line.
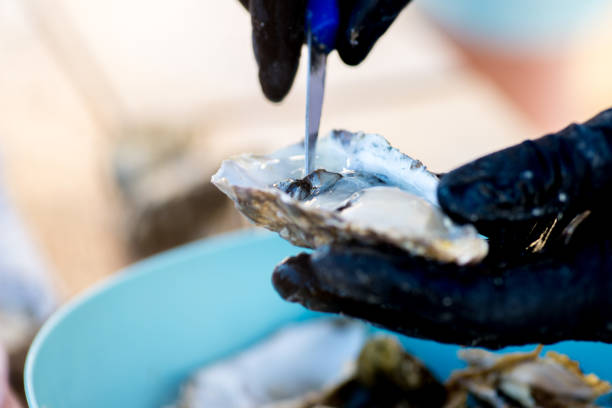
x=322, y=20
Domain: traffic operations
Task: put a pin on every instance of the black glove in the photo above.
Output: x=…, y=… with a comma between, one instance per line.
x=545, y=206
x=278, y=35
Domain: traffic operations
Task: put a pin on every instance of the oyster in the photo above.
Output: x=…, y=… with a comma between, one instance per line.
x=385, y=376
x=316, y=364
x=295, y=361
x=524, y=380
x=364, y=191
x=327, y=363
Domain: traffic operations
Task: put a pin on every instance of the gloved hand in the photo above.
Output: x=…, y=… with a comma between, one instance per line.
x=278, y=35
x=545, y=206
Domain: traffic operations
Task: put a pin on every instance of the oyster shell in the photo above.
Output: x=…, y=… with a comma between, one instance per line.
x=385, y=375
x=330, y=363
x=295, y=361
x=368, y=192
x=324, y=363
x=526, y=379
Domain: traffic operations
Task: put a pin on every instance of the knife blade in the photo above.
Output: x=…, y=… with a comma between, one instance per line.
x=322, y=20
x=315, y=84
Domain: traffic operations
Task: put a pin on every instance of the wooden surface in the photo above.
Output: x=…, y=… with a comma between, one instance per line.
x=190, y=63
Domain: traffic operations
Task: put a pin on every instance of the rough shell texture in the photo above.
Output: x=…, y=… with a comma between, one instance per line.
x=369, y=192
x=528, y=379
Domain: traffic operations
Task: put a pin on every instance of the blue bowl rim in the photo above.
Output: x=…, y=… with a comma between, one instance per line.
x=127, y=274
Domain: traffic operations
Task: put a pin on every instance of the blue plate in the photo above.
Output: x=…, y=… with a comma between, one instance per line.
x=131, y=341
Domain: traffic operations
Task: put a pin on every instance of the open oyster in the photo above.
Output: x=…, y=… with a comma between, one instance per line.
x=364, y=191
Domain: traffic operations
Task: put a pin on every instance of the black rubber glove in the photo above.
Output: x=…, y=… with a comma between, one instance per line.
x=278, y=35
x=545, y=206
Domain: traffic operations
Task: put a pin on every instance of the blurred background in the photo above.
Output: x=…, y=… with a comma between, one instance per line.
x=114, y=115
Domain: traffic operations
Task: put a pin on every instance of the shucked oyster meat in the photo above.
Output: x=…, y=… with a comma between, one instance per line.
x=365, y=191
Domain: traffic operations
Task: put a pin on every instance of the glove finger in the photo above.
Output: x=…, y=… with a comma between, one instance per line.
x=278, y=35
x=543, y=302
x=362, y=23
x=526, y=197
x=569, y=170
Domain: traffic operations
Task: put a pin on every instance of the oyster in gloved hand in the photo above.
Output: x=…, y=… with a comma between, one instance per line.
x=364, y=191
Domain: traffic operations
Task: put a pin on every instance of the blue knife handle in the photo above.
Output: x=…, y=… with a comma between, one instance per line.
x=323, y=19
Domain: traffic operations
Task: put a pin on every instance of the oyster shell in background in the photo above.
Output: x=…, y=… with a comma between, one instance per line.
x=385, y=375
x=524, y=380
x=364, y=191
x=322, y=363
x=334, y=363
x=295, y=361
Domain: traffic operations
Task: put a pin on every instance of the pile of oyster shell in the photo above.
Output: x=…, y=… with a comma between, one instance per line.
x=331, y=363
x=523, y=380
x=364, y=191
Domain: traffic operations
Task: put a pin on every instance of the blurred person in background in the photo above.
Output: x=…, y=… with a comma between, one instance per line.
x=524, y=46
